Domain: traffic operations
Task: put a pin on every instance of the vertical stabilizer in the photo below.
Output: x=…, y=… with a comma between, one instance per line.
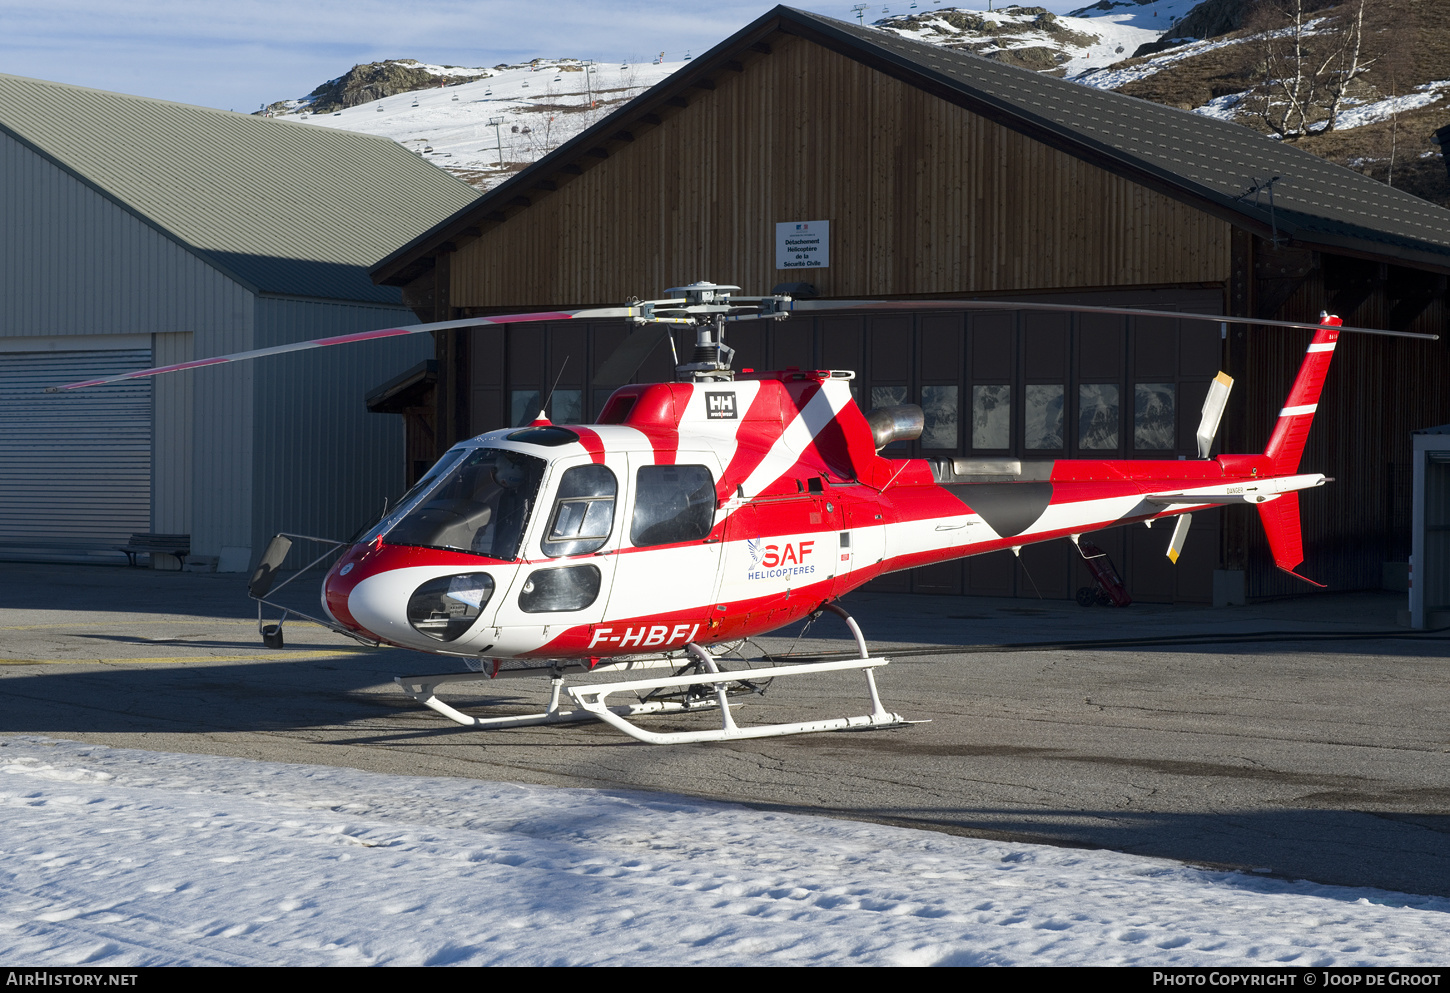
x=1286, y=445
x=1286, y=541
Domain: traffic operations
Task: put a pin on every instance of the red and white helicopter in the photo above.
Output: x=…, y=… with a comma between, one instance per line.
x=696, y=514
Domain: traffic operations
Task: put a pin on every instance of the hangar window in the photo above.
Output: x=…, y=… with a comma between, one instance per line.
x=1042, y=418
x=1097, y=416
x=939, y=413
x=1153, y=416
x=992, y=416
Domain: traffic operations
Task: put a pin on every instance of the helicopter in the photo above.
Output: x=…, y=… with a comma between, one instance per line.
x=695, y=515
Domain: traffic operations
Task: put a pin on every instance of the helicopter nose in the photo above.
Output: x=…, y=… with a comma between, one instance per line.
x=344, y=576
x=404, y=597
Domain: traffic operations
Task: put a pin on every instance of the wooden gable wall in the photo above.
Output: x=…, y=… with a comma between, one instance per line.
x=923, y=196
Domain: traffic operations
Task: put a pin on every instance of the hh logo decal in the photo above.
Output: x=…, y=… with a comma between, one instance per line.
x=775, y=561
x=720, y=406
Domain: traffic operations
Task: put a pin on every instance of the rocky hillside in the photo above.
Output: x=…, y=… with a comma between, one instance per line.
x=1036, y=38
x=1394, y=95
x=374, y=81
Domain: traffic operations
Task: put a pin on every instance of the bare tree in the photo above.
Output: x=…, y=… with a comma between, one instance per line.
x=1309, y=60
x=1398, y=39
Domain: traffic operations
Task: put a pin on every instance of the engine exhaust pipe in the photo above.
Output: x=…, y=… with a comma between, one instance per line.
x=902, y=423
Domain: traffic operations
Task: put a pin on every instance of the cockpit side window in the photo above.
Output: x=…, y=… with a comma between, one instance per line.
x=482, y=506
x=583, y=513
x=672, y=503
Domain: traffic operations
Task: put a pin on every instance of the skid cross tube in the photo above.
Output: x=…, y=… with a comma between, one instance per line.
x=421, y=688
x=590, y=699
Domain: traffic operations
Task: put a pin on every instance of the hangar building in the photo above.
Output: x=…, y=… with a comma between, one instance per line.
x=138, y=232
x=943, y=174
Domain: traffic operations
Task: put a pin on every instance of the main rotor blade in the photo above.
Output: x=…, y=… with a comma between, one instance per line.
x=1066, y=308
x=1213, y=407
x=598, y=313
x=625, y=360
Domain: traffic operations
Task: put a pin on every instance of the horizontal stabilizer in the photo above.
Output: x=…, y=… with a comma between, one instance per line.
x=1286, y=542
x=1257, y=492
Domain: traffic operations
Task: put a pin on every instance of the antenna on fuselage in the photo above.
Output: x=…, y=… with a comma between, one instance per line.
x=544, y=407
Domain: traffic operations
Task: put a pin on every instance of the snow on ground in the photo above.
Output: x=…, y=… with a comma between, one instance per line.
x=1112, y=79
x=1358, y=114
x=1382, y=110
x=130, y=858
x=1096, y=38
x=538, y=107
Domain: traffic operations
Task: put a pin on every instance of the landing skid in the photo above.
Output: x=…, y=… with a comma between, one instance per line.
x=708, y=687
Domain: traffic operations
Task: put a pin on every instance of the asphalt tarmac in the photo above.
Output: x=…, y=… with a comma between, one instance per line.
x=1305, y=738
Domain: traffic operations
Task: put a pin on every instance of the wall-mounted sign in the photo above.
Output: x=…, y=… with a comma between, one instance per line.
x=803, y=245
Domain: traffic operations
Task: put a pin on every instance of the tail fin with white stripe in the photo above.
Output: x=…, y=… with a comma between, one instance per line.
x=1286, y=446
x=1280, y=517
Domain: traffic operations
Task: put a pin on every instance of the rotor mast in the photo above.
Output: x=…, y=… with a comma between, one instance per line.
x=706, y=307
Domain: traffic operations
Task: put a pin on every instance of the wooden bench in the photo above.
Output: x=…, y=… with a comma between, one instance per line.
x=150, y=544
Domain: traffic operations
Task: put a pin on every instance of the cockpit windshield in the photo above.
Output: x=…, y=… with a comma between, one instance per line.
x=481, y=506
x=409, y=500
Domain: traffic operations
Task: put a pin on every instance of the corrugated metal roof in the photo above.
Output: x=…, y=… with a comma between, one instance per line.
x=285, y=207
x=1213, y=163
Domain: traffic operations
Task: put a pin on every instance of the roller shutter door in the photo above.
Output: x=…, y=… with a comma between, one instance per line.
x=75, y=468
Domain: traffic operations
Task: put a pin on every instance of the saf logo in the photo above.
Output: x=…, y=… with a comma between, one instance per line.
x=720, y=406
x=776, y=561
x=791, y=553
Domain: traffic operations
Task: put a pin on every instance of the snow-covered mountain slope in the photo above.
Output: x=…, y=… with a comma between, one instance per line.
x=1033, y=37
x=498, y=120
x=447, y=113
x=484, y=124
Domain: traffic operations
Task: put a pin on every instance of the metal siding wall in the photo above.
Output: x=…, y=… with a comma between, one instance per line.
x=172, y=437
x=221, y=477
x=73, y=262
x=323, y=463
